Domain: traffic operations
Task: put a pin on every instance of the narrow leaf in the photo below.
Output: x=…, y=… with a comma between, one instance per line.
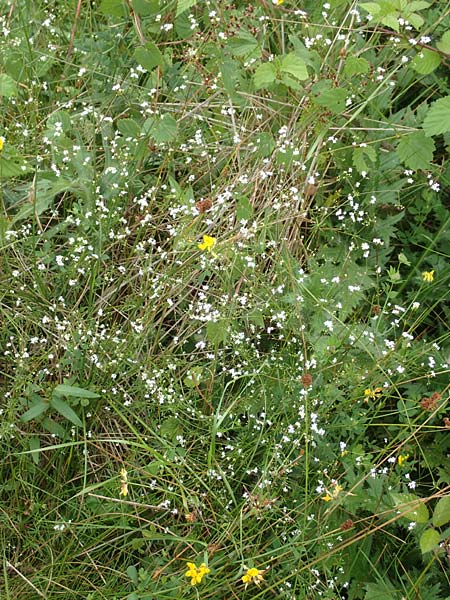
x=74, y=392
x=65, y=410
x=35, y=411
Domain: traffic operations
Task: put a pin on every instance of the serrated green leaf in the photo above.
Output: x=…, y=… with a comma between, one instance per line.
x=356, y=65
x=242, y=44
x=8, y=87
x=444, y=43
x=416, y=20
x=264, y=75
x=417, y=5
x=10, y=167
x=429, y=540
x=371, y=7
x=391, y=21
x=35, y=411
x=294, y=65
x=184, y=5
x=244, y=209
x=416, y=150
x=112, y=8
x=145, y=8
x=331, y=98
x=193, y=378
x=426, y=61
x=217, y=332
x=171, y=428
x=437, y=119
x=65, y=410
x=441, y=514
x=382, y=590
x=129, y=128
x=164, y=129
x=149, y=56
x=72, y=391
x=411, y=506
x=359, y=156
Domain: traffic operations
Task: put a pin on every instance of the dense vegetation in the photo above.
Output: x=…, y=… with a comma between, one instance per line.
x=224, y=313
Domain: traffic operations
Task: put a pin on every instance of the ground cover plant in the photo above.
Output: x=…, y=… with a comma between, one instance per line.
x=224, y=306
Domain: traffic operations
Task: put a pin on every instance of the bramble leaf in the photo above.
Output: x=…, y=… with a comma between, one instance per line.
x=437, y=119
x=416, y=150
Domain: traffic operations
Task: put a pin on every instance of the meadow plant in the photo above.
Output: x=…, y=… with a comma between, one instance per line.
x=224, y=299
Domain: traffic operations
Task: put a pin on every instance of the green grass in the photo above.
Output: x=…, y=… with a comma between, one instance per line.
x=278, y=398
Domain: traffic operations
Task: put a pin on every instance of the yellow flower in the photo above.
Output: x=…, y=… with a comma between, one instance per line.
x=208, y=243
x=373, y=394
x=334, y=494
x=196, y=574
x=428, y=276
x=123, y=483
x=402, y=458
x=2, y=141
x=278, y=2
x=253, y=575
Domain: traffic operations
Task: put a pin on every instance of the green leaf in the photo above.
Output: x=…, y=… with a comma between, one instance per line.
x=329, y=97
x=371, y=7
x=184, y=5
x=35, y=411
x=359, y=156
x=34, y=444
x=411, y=506
x=65, y=410
x=444, y=43
x=441, y=514
x=264, y=75
x=417, y=5
x=133, y=574
x=164, y=129
x=217, y=332
x=112, y=8
x=193, y=378
x=72, y=391
x=416, y=150
x=10, y=167
x=244, y=209
x=383, y=590
x=426, y=61
x=294, y=65
x=416, y=20
x=429, y=540
x=145, y=8
x=149, y=56
x=437, y=119
x=356, y=66
x=171, y=428
x=8, y=87
x=129, y=128
x=242, y=44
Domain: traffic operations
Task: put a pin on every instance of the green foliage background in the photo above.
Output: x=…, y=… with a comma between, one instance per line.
x=279, y=400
